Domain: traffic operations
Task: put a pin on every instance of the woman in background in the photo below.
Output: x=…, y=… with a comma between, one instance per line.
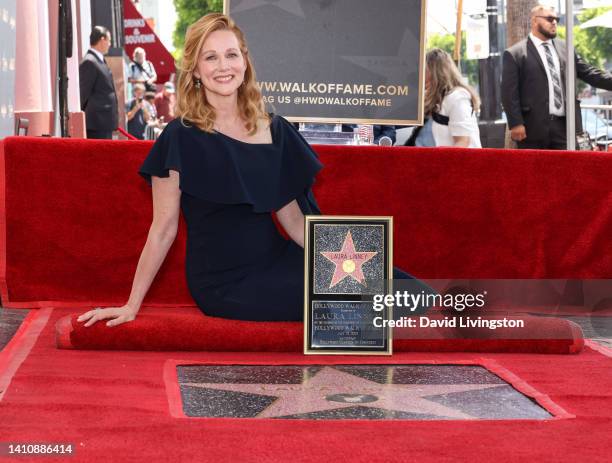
x=450, y=106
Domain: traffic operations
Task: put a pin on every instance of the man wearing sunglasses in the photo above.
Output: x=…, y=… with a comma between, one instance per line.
x=533, y=84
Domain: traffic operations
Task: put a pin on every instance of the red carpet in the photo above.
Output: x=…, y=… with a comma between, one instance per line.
x=73, y=220
x=187, y=329
x=114, y=407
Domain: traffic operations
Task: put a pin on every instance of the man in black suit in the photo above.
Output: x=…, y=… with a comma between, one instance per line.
x=98, y=97
x=533, y=84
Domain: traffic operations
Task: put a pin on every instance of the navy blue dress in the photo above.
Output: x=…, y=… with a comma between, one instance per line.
x=238, y=265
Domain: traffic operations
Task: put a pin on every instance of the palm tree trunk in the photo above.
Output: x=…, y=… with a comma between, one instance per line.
x=517, y=28
x=517, y=12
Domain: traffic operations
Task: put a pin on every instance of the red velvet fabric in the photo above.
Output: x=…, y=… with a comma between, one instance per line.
x=117, y=406
x=188, y=330
x=77, y=215
x=76, y=219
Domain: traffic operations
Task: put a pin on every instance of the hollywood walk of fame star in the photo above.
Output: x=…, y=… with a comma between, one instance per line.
x=332, y=389
x=348, y=262
x=290, y=6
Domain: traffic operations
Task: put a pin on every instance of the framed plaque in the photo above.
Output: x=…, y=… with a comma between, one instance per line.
x=347, y=259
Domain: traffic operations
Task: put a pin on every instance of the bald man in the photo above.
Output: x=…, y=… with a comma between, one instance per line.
x=533, y=84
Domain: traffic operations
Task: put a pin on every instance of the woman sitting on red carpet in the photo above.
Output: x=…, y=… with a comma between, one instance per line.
x=228, y=165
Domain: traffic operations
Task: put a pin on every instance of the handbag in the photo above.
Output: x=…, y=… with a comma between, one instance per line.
x=437, y=117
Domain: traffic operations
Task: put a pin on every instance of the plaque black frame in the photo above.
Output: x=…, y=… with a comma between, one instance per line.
x=310, y=296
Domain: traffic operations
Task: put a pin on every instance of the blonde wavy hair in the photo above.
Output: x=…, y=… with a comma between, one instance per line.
x=191, y=104
x=443, y=78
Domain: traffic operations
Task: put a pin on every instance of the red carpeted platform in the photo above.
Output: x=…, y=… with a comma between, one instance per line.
x=116, y=406
x=187, y=329
x=73, y=219
x=76, y=215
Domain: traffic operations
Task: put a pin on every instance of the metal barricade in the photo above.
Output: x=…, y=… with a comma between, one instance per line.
x=597, y=121
x=152, y=131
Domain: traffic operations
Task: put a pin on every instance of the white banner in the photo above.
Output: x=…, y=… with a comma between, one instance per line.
x=477, y=37
x=7, y=66
x=471, y=7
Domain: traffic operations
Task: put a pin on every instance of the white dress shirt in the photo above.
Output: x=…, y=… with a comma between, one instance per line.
x=99, y=55
x=551, y=92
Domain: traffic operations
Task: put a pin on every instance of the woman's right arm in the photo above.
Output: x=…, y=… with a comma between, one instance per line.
x=462, y=122
x=166, y=210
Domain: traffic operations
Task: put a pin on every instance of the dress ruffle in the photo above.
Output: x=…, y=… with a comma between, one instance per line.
x=221, y=169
